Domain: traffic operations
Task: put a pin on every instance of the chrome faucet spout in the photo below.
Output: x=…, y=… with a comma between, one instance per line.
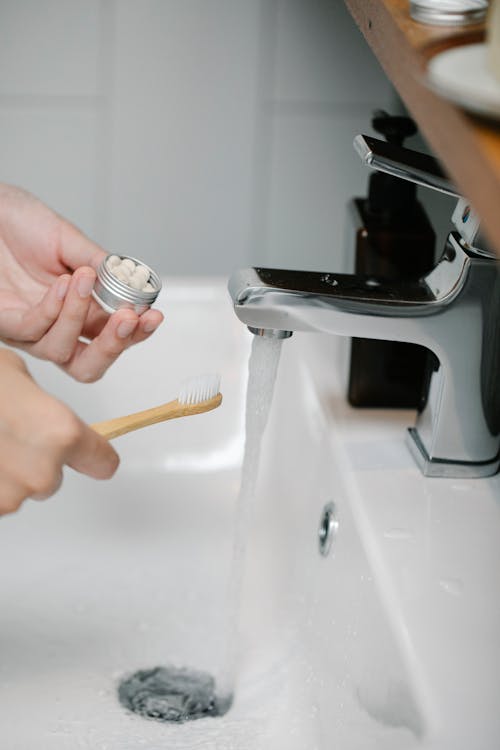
x=454, y=311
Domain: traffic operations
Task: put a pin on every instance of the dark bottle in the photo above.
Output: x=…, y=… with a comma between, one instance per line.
x=394, y=240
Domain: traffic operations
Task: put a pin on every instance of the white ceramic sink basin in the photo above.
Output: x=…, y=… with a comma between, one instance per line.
x=390, y=642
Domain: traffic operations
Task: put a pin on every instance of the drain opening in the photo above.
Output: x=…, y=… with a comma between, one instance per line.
x=328, y=528
x=172, y=694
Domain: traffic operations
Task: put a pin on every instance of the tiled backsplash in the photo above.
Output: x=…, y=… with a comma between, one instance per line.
x=200, y=135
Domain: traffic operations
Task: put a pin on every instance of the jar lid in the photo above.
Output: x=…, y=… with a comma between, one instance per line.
x=448, y=12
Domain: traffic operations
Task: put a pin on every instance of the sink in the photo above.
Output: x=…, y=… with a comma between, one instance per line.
x=389, y=641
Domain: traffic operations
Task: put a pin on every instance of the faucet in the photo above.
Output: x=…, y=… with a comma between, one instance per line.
x=453, y=311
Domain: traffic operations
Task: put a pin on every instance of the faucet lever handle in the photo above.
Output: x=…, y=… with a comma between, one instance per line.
x=421, y=169
x=404, y=163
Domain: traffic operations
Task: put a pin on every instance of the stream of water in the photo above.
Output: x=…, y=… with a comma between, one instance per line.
x=171, y=694
x=262, y=371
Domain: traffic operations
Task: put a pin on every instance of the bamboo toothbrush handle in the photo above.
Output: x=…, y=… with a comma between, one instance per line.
x=112, y=428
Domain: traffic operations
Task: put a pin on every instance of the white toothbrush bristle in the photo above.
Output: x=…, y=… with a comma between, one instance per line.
x=199, y=388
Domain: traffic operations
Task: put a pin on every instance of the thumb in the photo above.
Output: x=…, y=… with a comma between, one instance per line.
x=92, y=455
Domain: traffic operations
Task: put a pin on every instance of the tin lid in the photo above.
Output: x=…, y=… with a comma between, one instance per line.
x=449, y=12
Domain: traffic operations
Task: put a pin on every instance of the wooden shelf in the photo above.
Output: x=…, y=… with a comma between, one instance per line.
x=468, y=147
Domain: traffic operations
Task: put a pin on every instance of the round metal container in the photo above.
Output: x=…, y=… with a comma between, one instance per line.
x=448, y=12
x=113, y=294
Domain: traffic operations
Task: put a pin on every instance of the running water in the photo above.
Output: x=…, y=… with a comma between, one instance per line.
x=171, y=694
x=262, y=370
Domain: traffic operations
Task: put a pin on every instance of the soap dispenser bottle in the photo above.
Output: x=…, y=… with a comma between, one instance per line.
x=394, y=240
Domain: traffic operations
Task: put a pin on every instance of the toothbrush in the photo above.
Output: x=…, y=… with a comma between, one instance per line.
x=197, y=395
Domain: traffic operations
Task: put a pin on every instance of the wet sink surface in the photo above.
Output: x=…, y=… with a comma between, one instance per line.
x=376, y=646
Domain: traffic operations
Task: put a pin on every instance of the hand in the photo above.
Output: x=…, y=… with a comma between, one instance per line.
x=47, y=271
x=38, y=436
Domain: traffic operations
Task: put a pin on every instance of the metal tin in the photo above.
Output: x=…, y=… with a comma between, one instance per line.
x=113, y=294
x=448, y=12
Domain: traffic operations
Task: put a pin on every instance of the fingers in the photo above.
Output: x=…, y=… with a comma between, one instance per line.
x=78, y=250
x=31, y=324
x=26, y=470
x=53, y=328
x=42, y=474
x=123, y=329
x=49, y=487
x=91, y=360
x=96, y=320
x=148, y=323
x=60, y=341
x=39, y=435
x=12, y=495
x=33, y=469
x=91, y=454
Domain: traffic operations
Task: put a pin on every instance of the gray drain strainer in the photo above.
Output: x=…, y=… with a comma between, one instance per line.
x=172, y=694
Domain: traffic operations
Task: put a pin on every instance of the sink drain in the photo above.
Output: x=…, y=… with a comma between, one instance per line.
x=172, y=694
x=328, y=528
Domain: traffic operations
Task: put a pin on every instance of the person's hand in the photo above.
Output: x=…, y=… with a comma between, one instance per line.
x=39, y=435
x=47, y=271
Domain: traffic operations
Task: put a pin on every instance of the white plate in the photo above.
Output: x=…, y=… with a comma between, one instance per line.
x=461, y=75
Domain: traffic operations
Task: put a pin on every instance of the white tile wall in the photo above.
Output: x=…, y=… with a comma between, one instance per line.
x=321, y=56
x=325, y=84
x=314, y=172
x=201, y=134
x=53, y=153
x=183, y=109
x=49, y=47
